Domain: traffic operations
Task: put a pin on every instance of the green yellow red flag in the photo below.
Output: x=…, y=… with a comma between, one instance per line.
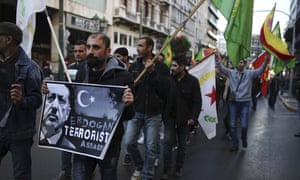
x=167, y=52
x=271, y=42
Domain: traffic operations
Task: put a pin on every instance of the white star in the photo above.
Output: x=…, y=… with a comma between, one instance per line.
x=92, y=99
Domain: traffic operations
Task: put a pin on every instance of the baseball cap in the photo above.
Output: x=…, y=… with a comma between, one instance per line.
x=11, y=29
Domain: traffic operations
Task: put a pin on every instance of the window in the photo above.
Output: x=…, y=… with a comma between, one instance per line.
x=116, y=37
x=135, y=41
x=123, y=39
x=129, y=40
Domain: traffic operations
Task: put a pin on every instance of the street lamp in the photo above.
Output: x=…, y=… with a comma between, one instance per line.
x=99, y=23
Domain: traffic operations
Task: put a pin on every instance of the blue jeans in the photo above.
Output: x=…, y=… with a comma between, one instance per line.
x=171, y=133
x=84, y=166
x=21, y=156
x=238, y=110
x=150, y=125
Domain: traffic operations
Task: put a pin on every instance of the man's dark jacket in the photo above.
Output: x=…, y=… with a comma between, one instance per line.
x=21, y=121
x=114, y=74
x=187, y=102
x=151, y=91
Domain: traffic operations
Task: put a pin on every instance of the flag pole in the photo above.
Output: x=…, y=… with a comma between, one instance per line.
x=61, y=57
x=181, y=25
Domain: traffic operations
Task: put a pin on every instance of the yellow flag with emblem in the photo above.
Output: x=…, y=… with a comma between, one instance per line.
x=167, y=52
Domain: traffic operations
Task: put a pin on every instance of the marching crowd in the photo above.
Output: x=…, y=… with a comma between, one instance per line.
x=167, y=98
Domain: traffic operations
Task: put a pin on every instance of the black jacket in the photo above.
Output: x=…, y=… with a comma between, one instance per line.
x=114, y=74
x=187, y=100
x=152, y=89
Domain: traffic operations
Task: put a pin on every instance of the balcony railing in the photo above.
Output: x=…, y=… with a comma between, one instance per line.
x=135, y=18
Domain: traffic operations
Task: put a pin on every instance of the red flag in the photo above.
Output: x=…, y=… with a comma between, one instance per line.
x=208, y=51
x=264, y=76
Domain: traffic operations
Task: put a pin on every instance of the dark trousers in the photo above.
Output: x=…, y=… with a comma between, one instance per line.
x=272, y=99
x=66, y=162
x=83, y=166
x=171, y=133
x=21, y=156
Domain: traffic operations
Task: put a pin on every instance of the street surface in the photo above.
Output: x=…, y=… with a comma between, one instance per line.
x=272, y=153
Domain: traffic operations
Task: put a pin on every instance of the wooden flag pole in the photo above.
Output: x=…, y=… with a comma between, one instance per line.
x=181, y=25
x=58, y=48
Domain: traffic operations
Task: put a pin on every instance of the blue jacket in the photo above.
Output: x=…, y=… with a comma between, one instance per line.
x=21, y=121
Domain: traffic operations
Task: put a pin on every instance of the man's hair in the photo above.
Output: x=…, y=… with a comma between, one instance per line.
x=11, y=29
x=180, y=59
x=80, y=42
x=149, y=41
x=122, y=50
x=101, y=36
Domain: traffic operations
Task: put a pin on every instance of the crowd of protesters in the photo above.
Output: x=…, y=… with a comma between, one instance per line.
x=163, y=95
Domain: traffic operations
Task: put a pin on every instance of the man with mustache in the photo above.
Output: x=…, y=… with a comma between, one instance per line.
x=20, y=97
x=56, y=113
x=102, y=68
x=151, y=94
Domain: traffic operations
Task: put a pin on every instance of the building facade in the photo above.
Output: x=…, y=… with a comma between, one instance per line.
x=124, y=21
x=292, y=37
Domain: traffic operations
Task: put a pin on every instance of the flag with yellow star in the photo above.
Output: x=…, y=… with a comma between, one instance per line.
x=205, y=73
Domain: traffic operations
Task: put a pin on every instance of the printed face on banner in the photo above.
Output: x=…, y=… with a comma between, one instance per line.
x=86, y=114
x=57, y=110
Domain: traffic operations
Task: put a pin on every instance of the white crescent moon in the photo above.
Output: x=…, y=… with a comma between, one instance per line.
x=79, y=98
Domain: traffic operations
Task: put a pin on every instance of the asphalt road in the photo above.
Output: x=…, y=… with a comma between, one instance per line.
x=272, y=153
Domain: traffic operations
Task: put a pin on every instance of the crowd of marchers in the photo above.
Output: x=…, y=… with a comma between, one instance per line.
x=166, y=99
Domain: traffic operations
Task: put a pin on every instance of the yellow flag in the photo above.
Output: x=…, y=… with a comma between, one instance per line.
x=167, y=52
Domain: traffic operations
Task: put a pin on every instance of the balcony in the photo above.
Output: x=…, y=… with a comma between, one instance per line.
x=212, y=35
x=132, y=20
x=213, y=10
x=213, y=23
x=164, y=2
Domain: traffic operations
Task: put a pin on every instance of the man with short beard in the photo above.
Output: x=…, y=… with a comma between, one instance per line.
x=150, y=97
x=101, y=68
x=20, y=97
x=239, y=98
x=185, y=109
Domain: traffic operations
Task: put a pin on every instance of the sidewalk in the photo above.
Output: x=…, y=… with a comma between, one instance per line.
x=290, y=102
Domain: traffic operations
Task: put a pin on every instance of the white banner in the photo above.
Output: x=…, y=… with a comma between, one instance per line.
x=206, y=75
x=25, y=19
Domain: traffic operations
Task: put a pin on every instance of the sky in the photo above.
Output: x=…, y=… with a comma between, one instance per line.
x=259, y=17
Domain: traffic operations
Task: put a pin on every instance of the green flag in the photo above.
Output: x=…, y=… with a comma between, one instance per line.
x=225, y=7
x=199, y=56
x=167, y=52
x=238, y=31
x=279, y=64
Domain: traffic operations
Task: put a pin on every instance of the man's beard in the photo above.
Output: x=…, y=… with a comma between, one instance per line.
x=174, y=74
x=2, y=56
x=95, y=62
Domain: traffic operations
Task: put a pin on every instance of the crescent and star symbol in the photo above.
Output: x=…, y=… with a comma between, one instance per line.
x=212, y=95
x=79, y=98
